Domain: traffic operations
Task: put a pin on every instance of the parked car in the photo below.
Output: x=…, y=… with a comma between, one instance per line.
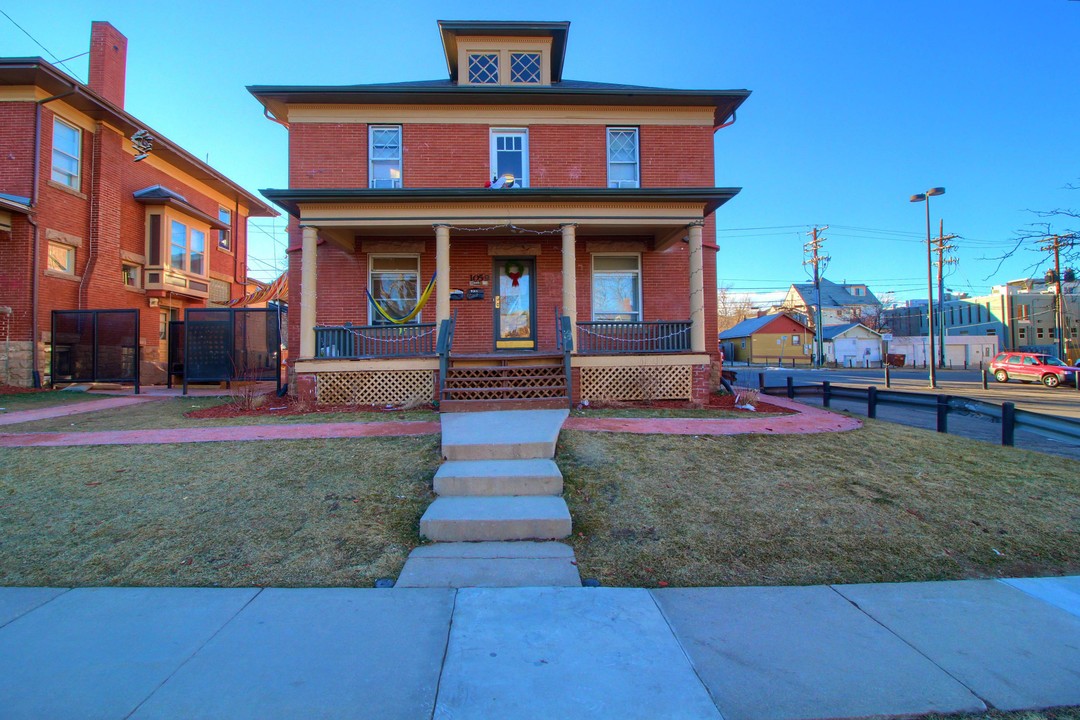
x=1032, y=367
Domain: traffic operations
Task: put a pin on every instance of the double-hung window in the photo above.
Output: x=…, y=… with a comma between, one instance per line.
x=510, y=156
x=67, y=147
x=224, y=239
x=616, y=288
x=61, y=258
x=622, y=158
x=187, y=248
x=384, y=151
x=394, y=283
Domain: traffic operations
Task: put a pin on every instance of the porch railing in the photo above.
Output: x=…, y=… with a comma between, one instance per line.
x=374, y=341
x=621, y=338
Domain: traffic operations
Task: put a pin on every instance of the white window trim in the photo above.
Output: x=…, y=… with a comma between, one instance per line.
x=167, y=243
x=640, y=293
x=510, y=67
x=400, y=157
x=373, y=315
x=637, y=151
x=524, y=133
x=500, y=67
x=76, y=183
x=227, y=246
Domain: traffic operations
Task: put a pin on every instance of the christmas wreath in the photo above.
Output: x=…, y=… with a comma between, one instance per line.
x=514, y=270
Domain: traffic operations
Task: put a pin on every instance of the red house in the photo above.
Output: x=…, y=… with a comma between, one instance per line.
x=99, y=211
x=490, y=220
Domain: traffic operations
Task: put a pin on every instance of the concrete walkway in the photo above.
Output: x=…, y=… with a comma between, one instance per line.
x=738, y=653
x=77, y=408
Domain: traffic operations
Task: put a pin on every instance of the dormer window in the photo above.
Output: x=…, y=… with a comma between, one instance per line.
x=484, y=68
x=525, y=68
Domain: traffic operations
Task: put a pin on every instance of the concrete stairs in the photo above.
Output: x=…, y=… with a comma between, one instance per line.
x=499, y=485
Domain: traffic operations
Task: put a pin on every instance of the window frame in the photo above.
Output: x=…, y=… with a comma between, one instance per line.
x=137, y=284
x=539, y=67
x=498, y=132
x=497, y=54
x=374, y=318
x=637, y=154
x=371, y=159
x=189, y=230
x=225, y=236
x=69, y=268
x=72, y=181
x=638, y=286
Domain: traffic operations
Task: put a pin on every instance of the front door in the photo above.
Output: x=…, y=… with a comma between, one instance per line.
x=515, y=304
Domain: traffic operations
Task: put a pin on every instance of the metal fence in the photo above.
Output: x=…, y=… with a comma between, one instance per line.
x=374, y=341
x=631, y=338
x=95, y=346
x=1006, y=413
x=227, y=344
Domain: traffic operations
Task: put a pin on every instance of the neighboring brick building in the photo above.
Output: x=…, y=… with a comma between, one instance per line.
x=86, y=224
x=601, y=201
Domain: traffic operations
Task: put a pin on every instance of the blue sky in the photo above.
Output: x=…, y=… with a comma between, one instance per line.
x=855, y=107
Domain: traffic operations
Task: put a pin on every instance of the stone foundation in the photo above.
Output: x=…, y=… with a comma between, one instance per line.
x=16, y=364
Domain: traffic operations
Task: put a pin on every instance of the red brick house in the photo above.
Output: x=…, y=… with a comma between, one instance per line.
x=86, y=223
x=523, y=198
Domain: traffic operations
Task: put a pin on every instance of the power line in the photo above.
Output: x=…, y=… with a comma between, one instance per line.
x=50, y=52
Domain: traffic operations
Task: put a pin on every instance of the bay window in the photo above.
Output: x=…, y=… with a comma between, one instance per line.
x=187, y=248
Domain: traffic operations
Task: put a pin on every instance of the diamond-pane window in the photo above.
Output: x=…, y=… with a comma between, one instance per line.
x=385, y=155
x=524, y=67
x=622, y=157
x=484, y=69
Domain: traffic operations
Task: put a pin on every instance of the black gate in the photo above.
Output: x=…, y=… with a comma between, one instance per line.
x=174, y=360
x=95, y=346
x=226, y=344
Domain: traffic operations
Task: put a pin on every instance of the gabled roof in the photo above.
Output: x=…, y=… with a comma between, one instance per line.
x=557, y=31
x=37, y=72
x=832, y=295
x=830, y=332
x=752, y=325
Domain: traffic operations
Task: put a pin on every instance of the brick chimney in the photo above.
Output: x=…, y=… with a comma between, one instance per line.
x=108, y=62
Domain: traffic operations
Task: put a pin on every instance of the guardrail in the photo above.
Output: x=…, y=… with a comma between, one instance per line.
x=1005, y=413
x=350, y=341
x=630, y=338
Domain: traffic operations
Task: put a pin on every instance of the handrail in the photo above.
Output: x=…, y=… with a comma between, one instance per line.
x=566, y=344
x=444, y=347
x=634, y=337
x=350, y=341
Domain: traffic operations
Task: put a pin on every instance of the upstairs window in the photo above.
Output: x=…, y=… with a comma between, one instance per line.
x=525, y=68
x=622, y=152
x=484, y=68
x=67, y=147
x=224, y=239
x=510, y=156
x=187, y=248
x=616, y=291
x=384, y=150
x=394, y=282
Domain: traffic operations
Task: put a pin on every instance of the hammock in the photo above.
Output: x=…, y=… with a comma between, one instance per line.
x=415, y=311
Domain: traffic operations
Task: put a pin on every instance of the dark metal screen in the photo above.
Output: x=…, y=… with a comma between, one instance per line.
x=95, y=346
x=226, y=344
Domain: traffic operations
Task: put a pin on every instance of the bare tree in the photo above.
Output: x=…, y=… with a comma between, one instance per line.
x=1059, y=221
x=732, y=309
x=872, y=316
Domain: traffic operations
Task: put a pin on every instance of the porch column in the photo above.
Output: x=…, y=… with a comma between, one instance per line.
x=697, y=288
x=309, y=259
x=569, y=273
x=442, y=274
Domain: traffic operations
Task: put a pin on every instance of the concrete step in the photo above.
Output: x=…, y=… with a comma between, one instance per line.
x=475, y=519
x=499, y=477
x=490, y=564
x=501, y=435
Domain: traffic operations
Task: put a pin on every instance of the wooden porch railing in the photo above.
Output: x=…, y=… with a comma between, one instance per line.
x=374, y=341
x=630, y=338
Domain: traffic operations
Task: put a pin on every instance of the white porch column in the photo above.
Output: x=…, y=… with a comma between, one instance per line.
x=697, y=288
x=309, y=259
x=442, y=274
x=569, y=273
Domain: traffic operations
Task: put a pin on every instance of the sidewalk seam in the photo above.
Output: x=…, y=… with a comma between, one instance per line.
x=689, y=660
x=977, y=696
x=36, y=607
x=446, y=651
x=193, y=654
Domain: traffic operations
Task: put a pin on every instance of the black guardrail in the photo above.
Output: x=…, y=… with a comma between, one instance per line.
x=1005, y=413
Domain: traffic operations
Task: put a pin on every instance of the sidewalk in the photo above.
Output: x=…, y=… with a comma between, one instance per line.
x=87, y=406
x=752, y=653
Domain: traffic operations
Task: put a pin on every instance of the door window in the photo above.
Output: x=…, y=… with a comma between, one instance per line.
x=514, y=317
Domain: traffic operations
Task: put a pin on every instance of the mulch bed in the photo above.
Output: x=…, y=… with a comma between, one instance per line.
x=15, y=390
x=292, y=406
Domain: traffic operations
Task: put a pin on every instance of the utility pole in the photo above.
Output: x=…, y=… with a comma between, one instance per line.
x=1054, y=245
x=817, y=260
x=941, y=247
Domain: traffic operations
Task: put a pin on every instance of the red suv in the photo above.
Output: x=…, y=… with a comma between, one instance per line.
x=1032, y=367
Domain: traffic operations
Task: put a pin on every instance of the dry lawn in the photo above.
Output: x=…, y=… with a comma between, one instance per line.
x=15, y=402
x=298, y=513
x=885, y=503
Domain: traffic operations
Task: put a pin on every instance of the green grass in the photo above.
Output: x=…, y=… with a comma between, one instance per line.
x=168, y=413
x=301, y=513
x=16, y=402
x=885, y=503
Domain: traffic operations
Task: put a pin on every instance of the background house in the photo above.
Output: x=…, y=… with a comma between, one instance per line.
x=849, y=302
x=852, y=345
x=88, y=224
x=777, y=338
x=502, y=199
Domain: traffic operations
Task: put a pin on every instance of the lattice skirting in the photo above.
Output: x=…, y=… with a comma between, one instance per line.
x=660, y=382
x=505, y=383
x=376, y=387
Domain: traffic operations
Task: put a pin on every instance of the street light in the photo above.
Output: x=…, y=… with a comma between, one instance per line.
x=925, y=198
